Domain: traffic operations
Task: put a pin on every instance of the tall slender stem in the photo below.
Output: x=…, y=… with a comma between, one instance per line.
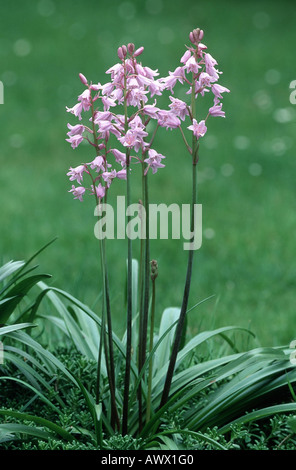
x=114, y=412
x=100, y=351
x=141, y=300
x=145, y=280
x=144, y=306
x=180, y=324
x=105, y=308
x=129, y=284
x=129, y=323
x=146, y=272
x=181, y=320
x=154, y=274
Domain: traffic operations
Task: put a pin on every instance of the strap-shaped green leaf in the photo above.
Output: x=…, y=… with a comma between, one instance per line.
x=17, y=293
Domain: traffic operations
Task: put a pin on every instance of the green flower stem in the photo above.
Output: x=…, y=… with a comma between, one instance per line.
x=181, y=321
x=129, y=285
x=141, y=299
x=129, y=318
x=104, y=341
x=145, y=288
x=98, y=381
x=114, y=412
x=146, y=273
x=105, y=308
x=152, y=318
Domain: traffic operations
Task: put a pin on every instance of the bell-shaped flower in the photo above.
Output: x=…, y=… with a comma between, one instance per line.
x=168, y=119
x=218, y=89
x=77, y=192
x=98, y=164
x=76, y=173
x=216, y=110
x=154, y=160
x=99, y=190
x=198, y=128
x=75, y=140
x=179, y=108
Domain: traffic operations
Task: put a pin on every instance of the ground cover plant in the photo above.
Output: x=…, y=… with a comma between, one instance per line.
x=218, y=400
x=150, y=388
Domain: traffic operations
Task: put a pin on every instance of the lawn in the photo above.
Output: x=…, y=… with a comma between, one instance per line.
x=246, y=171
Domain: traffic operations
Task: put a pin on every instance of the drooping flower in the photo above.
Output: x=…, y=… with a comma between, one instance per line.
x=134, y=136
x=154, y=160
x=129, y=139
x=106, y=127
x=204, y=83
x=210, y=63
x=186, y=56
x=121, y=174
x=75, y=140
x=216, y=110
x=192, y=65
x=218, y=89
x=179, y=107
x=198, y=128
x=84, y=98
x=78, y=192
x=108, y=102
x=75, y=130
x=168, y=119
x=100, y=191
x=76, y=110
x=98, y=164
x=76, y=173
x=170, y=81
x=108, y=177
x=120, y=157
x=151, y=110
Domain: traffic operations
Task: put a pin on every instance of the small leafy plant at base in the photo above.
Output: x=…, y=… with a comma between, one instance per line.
x=271, y=434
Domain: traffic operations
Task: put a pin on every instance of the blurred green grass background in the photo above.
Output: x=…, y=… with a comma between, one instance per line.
x=247, y=161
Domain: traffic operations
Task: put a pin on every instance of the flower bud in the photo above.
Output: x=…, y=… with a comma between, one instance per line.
x=83, y=79
x=121, y=52
x=196, y=36
x=191, y=37
x=131, y=48
x=195, y=33
x=138, y=51
x=154, y=270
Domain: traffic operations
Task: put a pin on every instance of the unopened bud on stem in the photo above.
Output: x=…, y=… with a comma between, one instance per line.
x=130, y=48
x=122, y=52
x=124, y=49
x=196, y=36
x=154, y=270
x=83, y=79
x=138, y=51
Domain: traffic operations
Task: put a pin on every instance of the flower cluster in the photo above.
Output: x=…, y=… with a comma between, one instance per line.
x=134, y=86
x=198, y=70
x=131, y=85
